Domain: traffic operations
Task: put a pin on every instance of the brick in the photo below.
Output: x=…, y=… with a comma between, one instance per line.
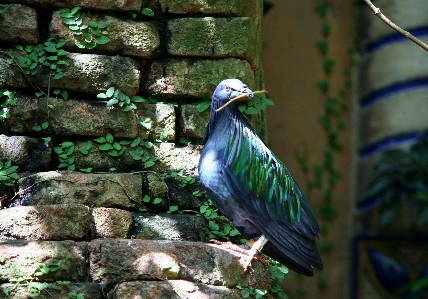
x=390, y=116
x=10, y=75
x=182, y=227
x=86, y=118
x=194, y=290
x=49, y=222
x=212, y=37
x=111, y=223
x=118, y=5
x=128, y=38
x=177, y=78
x=223, y=7
x=392, y=64
x=113, y=261
x=170, y=158
x=192, y=122
x=172, y=289
x=93, y=190
x=144, y=290
x=18, y=24
x=22, y=259
x=88, y=290
x=87, y=73
x=30, y=154
x=409, y=15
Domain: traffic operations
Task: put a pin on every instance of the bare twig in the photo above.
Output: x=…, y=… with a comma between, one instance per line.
x=406, y=34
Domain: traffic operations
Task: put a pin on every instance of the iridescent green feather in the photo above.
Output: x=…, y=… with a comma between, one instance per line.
x=263, y=175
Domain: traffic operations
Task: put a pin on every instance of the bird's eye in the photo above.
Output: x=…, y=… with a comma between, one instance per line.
x=227, y=88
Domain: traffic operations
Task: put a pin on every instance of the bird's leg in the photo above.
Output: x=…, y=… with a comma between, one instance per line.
x=256, y=247
x=251, y=249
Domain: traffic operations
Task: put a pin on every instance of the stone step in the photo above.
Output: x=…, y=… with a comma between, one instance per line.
x=53, y=290
x=114, y=261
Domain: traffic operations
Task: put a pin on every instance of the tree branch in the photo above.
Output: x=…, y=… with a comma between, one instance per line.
x=406, y=34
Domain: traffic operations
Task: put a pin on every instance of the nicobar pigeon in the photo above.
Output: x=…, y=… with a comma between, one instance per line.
x=253, y=189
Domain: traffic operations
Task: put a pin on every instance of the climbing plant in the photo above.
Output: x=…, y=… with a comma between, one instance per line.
x=324, y=175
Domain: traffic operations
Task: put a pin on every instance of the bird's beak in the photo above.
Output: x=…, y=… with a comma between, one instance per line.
x=244, y=95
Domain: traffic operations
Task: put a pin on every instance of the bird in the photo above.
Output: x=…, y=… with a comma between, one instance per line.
x=251, y=187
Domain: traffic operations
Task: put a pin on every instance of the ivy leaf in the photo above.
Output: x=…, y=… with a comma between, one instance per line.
x=102, y=25
x=106, y=147
x=147, y=12
x=110, y=91
x=80, y=45
x=109, y=138
x=103, y=40
x=251, y=110
x=202, y=106
x=112, y=102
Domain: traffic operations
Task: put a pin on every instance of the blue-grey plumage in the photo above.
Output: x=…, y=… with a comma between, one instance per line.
x=252, y=188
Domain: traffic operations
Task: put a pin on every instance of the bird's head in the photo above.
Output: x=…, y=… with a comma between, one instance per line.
x=228, y=93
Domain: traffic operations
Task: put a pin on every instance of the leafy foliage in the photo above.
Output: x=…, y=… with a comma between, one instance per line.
x=65, y=152
x=7, y=99
x=49, y=54
x=399, y=178
x=255, y=105
x=8, y=174
x=92, y=32
x=117, y=97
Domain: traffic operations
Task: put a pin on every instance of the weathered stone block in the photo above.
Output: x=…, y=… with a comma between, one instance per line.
x=11, y=75
x=172, y=289
x=192, y=122
x=129, y=38
x=49, y=222
x=194, y=290
x=111, y=223
x=92, y=119
x=195, y=78
x=174, y=158
x=170, y=158
x=390, y=116
x=22, y=259
x=88, y=73
x=113, y=261
x=210, y=37
x=54, y=290
x=223, y=7
x=178, y=227
x=93, y=190
x=392, y=64
x=31, y=154
x=144, y=290
x=94, y=74
x=18, y=24
x=119, y=5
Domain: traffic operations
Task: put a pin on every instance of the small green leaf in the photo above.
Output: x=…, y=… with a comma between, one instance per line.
x=92, y=23
x=109, y=138
x=110, y=92
x=102, y=40
x=80, y=45
x=147, y=12
x=157, y=200
x=102, y=24
x=37, y=128
x=100, y=140
x=106, y=147
x=45, y=125
x=101, y=96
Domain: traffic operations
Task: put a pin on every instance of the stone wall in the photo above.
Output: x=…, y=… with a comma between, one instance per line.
x=71, y=217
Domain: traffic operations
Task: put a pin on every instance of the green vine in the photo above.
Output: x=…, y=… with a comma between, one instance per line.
x=92, y=32
x=324, y=175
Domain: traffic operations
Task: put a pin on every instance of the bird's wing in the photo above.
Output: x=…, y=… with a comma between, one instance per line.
x=259, y=180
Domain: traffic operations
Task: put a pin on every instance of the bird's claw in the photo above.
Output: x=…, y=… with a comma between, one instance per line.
x=243, y=249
